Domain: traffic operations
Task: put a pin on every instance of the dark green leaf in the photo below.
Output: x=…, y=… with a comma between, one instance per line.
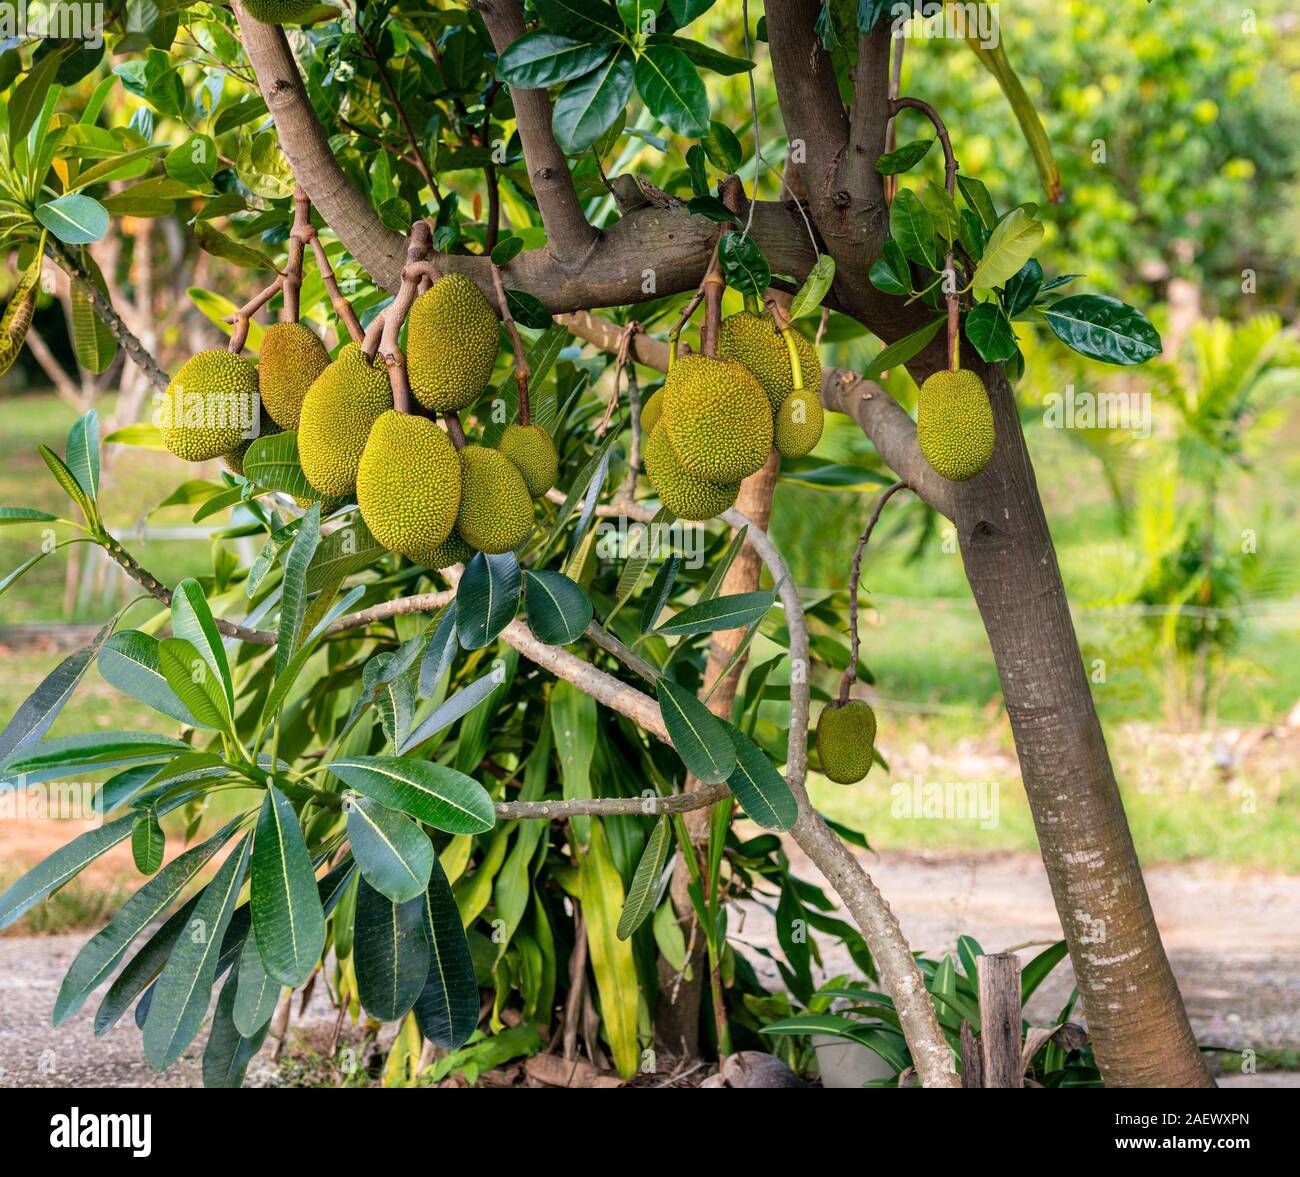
x=258, y=992
x=731, y=612
x=227, y=1052
x=1037, y=970
x=528, y=310
x=584, y=20
x=129, y=661
x=978, y=199
x=989, y=330
x=438, y=653
x=433, y=793
x=394, y=854
x=293, y=600
x=487, y=598
x=911, y=225
x=673, y=90
x=660, y=590
x=905, y=158
x=1103, y=328
x=192, y=620
x=147, y=842
x=447, y=1008
x=705, y=56
x=456, y=707
x=587, y=107
x=722, y=147
x=700, y=738
x=29, y=96
x=644, y=891
x=760, y=789
x=507, y=249
x=711, y=207
x=808, y=297
x=685, y=11
x=194, y=683
x=902, y=350
x=743, y=265
x=544, y=58
x=66, y=754
x=286, y=910
x=558, y=610
x=1021, y=289
x=390, y=951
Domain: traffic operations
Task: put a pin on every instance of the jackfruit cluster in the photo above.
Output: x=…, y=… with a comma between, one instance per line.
x=453, y=338
x=846, y=740
x=338, y=412
x=686, y=497
x=496, y=510
x=278, y=12
x=210, y=407
x=533, y=453
x=954, y=424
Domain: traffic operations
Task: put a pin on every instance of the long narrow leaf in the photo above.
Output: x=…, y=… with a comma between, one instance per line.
x=287, y=917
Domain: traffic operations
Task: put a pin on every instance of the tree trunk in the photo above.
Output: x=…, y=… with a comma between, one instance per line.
x=1139, y=1029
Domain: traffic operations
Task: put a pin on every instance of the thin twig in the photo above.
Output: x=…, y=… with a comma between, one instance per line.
x=522, y=371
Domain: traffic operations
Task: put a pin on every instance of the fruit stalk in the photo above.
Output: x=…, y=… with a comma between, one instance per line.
x=522, y=371
x=386, y=346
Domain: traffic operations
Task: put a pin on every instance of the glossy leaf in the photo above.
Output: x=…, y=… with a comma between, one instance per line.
x=271, y=462
x=905, y=158
x=743, y=265
x=902, y=350
x=257, y=994
x=439, y=652
x=227, y=1052
x=731, y=612
x=978, y=199
x=544, y=58
x=644, y=891
x=912, y=227
x=762, y=792
x=989, y=331
x=394, y=854
x=129, y=661
x=82, y=453
x=1009, y=246
x=588, y=106
x=585, y=20
x=390, y=952
x=194, y=683
x=147, y=842
x=1022, y=288
x=286, y=910
x=700, y=738
x=432, y=793
x=660, y=590
x=808, y=298
x=293, y=601
x=447, y=1008
x=487, y=598
x=673, y=90
x=75, y=219
x=558, y=610
x=192, y=620
x=1103, y=328
x=67, y=754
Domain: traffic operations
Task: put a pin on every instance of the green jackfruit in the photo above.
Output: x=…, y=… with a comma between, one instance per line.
x=210, y=407
x=496, y=510
x=755, y=342
x=278, y=12
x=452, y=341
x=846, y=739
x=684, y=496
x=532, y=451
x=235, y=459
x=651, y=411
x=718, y=419
x=291, y=358
x=342, y=404
x=452, y=550
x=408, y=483
x=954, y=424
x=798, y=425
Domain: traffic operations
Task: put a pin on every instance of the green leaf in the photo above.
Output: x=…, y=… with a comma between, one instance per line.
x=528, y=310
x=438, y=654
x=147, y=842
x=40, y=709
x=673, y=90
x=64, y=864
x=902, y=350
x=1039, y=969
x=640, y=544
x=507, y=249
x=29, y=96
x=271, y=463
x=432, y=793
x=216, y=308
x=257, y=993
x=82, y=452
x=456, y=707
x=760, y=789
x=808, y=297
x=660, y=590
x=12, y=515
x=390, y=952
x=588, y=106
x=180, y=997
x=286, y=910
x=1103, y=328
x=141, y=969
x=558, y=610
x=989, y=330
x=227, y=1052
x=1010, y=245
x=644, y=891
x=67, y=480
x=584, y=20
x=193, y=162
x=911, y=225
x=722, y=148
x=101, y=954
x=92, y=339
x=194, y=683
x=979, y=201
x=447, y=1008
x=942, y=210
x=293, y=600
x=705, y=56
x=889, y=273
x=192, y=620
x=75, y=219
x=710, y=206
x=68, y=754
x=487, y=598
x=1022, y=288
x=743, y=265
x=730, y=612
x=212, y=240
x=345, y=550
x=543, y=59
x=700, y=738
x=394, y=854
x=905, y=158
x=129, y=661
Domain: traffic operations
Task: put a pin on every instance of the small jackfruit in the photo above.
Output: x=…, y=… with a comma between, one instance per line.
x=846, y=739
x=718, y=419
x=291, y=358
x=954, y=424
x=496, y=510
x=755, y=342
x=278, y=12
x=342, y=404
x=453, y=338
x=452, y=550
x=651, y=410
x=798, y=425
x=686, y=497
x=532, y=451
x=235, y=459
x=408, y=483
x=210, y=407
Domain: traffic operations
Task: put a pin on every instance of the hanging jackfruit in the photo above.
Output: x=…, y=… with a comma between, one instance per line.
x=954, y=424
x=291, y=358
x=453, y=338
x=755, y=342
x=846, y=740
x=452, y=550
x=686, y=497
x=342, y=404
x=278, y=12
x=651, y=410
x=798, y=426
x=210, y=407
x=496, y=510
x=718, y=419
x=532, y=451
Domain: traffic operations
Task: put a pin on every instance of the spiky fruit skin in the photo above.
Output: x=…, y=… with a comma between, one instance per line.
x=755, y=342
x=954, y=424
x=452, y=550
x=235, y=459
x=210, y=406
x=452, y=341
x=532, y=451
x=686, y=497
x=291, y=358
x=408, y=483
x=718, y=419
x=798, y=425
x=338, y=411
x=277, y=12
x=651, y=411
x=846, y=739
x=496, y=510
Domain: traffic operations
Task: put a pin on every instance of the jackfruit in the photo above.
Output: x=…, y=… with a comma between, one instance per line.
x=291, y=358
x=686, y=497
x=846, y=739
x=651, y=410
x=278, y=12
x=798, y=424
x=210, y=406
x=496, y=510
x=755, y=342
x=452, y=341
x=342, y=404
x=954, y=424
x=718, y=419
x=408, y=483
x=452, y=550
x=235, y=459
x=532, y=451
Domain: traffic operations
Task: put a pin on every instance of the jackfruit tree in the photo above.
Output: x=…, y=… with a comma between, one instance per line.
x=496, y=340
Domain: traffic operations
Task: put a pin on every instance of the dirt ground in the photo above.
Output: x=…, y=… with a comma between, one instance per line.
x=1234, y=942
